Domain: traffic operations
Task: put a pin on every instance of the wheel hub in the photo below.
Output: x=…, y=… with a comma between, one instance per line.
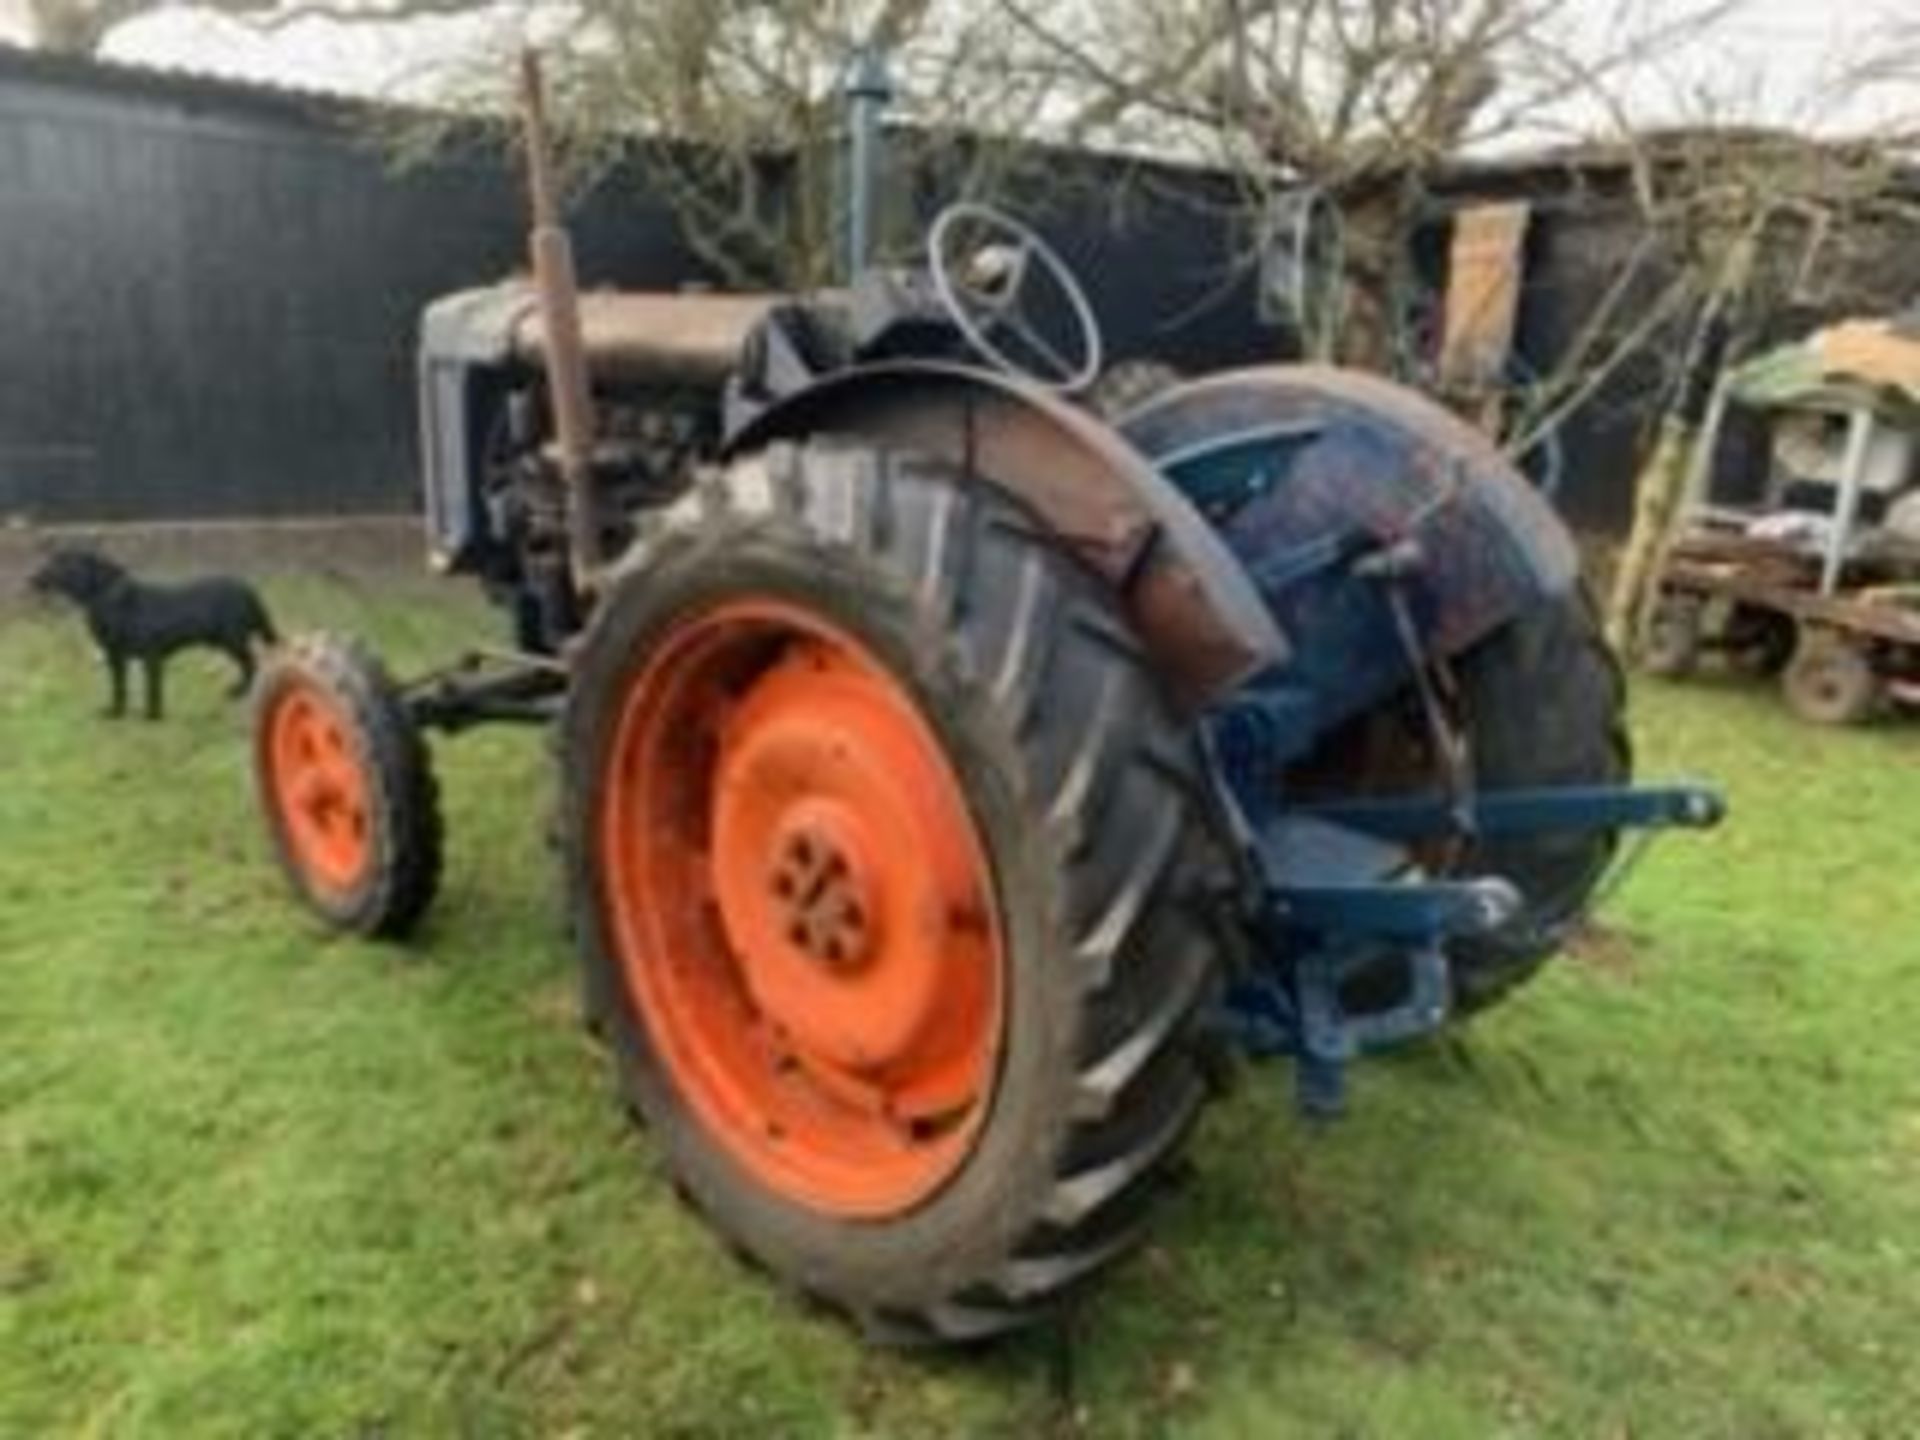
x=837, y=876
x=802, y=907
x=319, y=789
x=821, y=897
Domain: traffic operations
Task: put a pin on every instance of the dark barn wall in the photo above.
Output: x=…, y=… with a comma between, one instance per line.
x=209, y=295
x=210, y=291
x=1164, y=258
x=1573, y=257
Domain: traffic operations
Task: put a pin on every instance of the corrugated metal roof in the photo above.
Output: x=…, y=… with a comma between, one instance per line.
x=1548, y=169
x=1670, y=147
x=189, y=86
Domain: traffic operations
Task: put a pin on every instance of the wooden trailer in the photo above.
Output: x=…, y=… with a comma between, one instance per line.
x=1818, y=584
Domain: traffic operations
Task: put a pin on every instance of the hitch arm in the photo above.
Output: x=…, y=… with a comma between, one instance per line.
x=1531, y=811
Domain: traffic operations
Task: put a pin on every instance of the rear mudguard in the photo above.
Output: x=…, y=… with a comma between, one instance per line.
x=1301, y=468
x=1189, y=598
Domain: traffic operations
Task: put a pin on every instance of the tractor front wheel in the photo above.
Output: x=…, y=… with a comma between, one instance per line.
x=344, y=782
x=889, y=865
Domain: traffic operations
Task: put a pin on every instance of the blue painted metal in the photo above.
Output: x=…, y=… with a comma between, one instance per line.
x=1373, y=528
x=1337, y=900
x=1382, y=534
x=1403, y=913
x=1220, y=473
x=1303, y=470
x=1256, y=734
x=1529, y=812
x=1342, y=892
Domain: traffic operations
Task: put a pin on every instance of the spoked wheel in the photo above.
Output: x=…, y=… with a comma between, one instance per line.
x=889, y=866
x=343, y=780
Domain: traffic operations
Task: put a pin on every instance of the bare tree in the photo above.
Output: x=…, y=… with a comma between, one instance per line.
x=735, y=113
x=1371, y=104
x=1367, y=102
x=77, y=27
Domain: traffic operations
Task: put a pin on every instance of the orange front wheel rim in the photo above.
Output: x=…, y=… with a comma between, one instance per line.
x=319, y=789
x=802, y=909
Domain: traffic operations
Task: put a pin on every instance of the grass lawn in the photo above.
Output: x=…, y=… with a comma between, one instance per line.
x=256, y=1182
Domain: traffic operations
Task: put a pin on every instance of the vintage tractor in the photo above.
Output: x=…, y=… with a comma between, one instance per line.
x=954, y=776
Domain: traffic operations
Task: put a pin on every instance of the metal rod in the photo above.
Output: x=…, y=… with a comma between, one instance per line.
x=1543, y=810
x=1846, y=510
x=1700, y=463
x=557, y=291
x=869, y=90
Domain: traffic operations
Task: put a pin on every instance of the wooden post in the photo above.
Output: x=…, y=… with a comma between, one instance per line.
x=1661, y=484
x=1485, y=274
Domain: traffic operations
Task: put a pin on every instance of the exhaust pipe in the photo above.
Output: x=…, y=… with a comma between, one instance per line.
x=557, y=292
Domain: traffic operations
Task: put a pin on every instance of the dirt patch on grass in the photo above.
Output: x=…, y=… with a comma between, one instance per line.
x=1607, y=951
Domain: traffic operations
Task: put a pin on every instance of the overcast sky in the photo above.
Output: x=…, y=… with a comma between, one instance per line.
x=1779, y=59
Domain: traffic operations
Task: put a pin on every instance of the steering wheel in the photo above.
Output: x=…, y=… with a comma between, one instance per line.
x=984, y=265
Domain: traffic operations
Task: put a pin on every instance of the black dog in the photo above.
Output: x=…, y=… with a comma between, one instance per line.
x=148, y=623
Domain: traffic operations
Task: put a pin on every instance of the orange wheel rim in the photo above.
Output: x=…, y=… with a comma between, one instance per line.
x=802, y=909
x=318, y=787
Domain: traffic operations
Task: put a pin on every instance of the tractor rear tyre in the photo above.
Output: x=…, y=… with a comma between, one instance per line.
x=345, y=784
x=1541, y=702
x=891, y=871
x=1545, y=704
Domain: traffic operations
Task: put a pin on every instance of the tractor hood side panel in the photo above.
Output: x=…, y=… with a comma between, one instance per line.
x=466, y=347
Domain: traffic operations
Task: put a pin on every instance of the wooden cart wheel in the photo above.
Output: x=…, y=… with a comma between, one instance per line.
x=1759, y=642
x=1831, y=680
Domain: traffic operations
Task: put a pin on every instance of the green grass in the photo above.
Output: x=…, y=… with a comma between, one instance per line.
x=256, y=1182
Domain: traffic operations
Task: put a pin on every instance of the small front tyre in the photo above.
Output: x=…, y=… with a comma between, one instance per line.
x=344, y=781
